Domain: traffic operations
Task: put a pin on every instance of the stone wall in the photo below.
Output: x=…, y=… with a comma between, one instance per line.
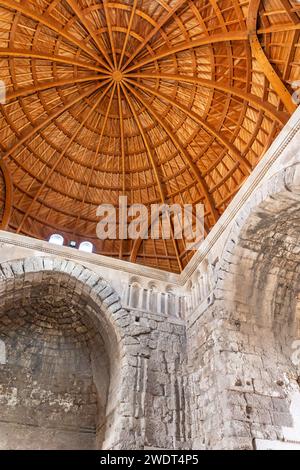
x=243, y=374
x=81, y=371
x=48, y=372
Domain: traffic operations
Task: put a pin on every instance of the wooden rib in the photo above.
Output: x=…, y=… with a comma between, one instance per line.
x=147, y=145
x=199, y=120
x=9, y=191
x=291, y=54
x=98, y=101
x=80, y=14
x=138, y=242
x=123, y=156
x=51, y=58
x=224, y=37
x=46, y=86
x=280, y=116
x=128, y=32
x=96, y=155
x=154, y=166
x=275, y=28
x=50, y=118
x=148, y=38
x=46, y=20
x=186, y=156
x=110, y=33
x=122, y=138
x=263, y=61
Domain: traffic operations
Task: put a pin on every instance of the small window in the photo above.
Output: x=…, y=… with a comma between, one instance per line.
x=56, y=239
x=87, y=247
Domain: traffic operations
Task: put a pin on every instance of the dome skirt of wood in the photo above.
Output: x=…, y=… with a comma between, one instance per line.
x=162, y=101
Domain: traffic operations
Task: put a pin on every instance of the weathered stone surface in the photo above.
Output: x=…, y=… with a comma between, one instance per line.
x=74, y=355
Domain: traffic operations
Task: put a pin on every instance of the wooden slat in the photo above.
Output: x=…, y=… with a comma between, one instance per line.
x=46, y=20
x=53, y=58
x=263, y=61
x=76, y=8
x=154, y=166
x=199, y=120
x=155, y=30
x=59, y=159
x=280, y=116
x=218, y=38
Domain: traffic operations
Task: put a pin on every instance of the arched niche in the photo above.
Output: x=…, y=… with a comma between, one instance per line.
x=135, y=292
x=153, y=296
x=62, y=378
x=172, y=302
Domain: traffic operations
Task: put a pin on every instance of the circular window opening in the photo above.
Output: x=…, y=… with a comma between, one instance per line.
x=56, y=239
x=87, y=247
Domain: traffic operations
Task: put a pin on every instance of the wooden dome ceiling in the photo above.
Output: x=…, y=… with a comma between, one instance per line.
x=159, y=100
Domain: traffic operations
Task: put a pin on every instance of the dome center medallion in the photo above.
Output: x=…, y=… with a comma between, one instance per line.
x=117, y=76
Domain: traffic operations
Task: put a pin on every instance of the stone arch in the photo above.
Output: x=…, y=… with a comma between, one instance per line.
x=172, y=302
x=96, y=331
x=262, y=246
x=152, y=286
x=135, y=292
x=259, y=282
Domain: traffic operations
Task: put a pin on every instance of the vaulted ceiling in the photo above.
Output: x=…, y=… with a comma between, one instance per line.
x=169, y=101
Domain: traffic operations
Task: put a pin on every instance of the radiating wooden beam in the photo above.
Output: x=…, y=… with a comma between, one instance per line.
x=81, y=16
x=51, y=118
x=44, y=184
x=217, y=38
x=155, y=30
x=110, y=32
x=27, y=53
x=8, y=205
x=275, y=81
x=186, y=156
x=46, y=20
x=122, y=135
x=96, y=154
x=52, y=84
x=208, y=127
x=123, y=156
x=128, y=32
x=269, y=109
x=154, y=166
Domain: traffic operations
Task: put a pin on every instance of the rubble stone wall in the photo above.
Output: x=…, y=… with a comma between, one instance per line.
x=81, y=371
x=242, y=349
